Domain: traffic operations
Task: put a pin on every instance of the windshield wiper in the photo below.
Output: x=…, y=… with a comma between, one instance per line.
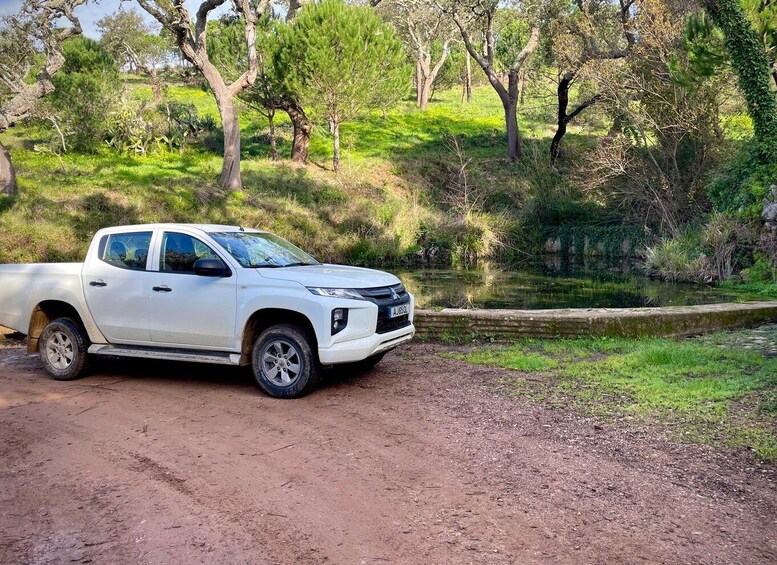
x=299, y=264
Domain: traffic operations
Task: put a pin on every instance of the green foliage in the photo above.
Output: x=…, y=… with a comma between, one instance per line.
x=741, y=185
x=85, y=92
x=763, y=17
x=342, y=60
x=677, y=259
x=751, y=64
x=600, y=241
x=227, y=45
x=512, y=32
x=130, y=40
x=140, y=129
x=704, y=44
x=696, y=387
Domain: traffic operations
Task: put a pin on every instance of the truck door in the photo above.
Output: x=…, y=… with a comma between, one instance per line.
x=117, y=286
x=187, y=309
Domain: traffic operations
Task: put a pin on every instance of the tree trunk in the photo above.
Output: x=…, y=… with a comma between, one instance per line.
x=468, y=76
x=510, y=104
x=273, y=144
x=302, y=128
x=336, y=136
x=7, y=173
x=156, y=85
x=230, y=169
x=562, y=120
x=156, y=90
x=419, y=80
x=423, y=101
x=751, y=64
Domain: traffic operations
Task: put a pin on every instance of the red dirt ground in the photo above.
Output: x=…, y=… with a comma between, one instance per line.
x=421, y=460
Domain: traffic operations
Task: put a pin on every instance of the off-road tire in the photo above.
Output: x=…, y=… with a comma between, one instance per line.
x=63, y=349
x=284, y=363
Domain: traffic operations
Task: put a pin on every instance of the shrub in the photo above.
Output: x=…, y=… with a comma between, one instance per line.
x=677, y=259
x=86, y=91
x=143, y=129
x=729, y=243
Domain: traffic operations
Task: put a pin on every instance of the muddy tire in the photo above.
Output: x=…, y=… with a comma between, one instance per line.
x=63, y=349
x=284, y=362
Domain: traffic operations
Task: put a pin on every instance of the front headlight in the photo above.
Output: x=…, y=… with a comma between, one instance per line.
x=336, y=292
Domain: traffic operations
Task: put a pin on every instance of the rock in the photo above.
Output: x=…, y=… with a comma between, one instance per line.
x=769, y=212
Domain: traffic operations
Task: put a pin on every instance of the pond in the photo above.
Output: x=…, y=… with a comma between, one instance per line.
x=551, y=283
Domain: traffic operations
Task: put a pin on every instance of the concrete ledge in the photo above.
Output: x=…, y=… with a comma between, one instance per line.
x=624, y=322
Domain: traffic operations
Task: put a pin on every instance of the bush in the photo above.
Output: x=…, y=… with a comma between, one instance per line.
x=675, y=260
x=86, y=90
x=729, y=243
x=742, y=184
x=713, y=252
x=143, y=129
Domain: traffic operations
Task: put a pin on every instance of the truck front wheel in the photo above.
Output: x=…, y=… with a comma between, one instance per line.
x=284, y=364
x=63, y=349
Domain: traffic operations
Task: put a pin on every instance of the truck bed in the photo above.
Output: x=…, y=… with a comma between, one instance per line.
x=22, y=284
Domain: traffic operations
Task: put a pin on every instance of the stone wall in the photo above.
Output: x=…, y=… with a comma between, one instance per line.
x=625, y=322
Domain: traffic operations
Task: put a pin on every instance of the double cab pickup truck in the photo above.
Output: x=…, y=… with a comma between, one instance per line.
x=208, y=294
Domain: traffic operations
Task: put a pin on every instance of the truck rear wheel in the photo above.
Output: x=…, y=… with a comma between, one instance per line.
x=284, y=364
x=63, y=349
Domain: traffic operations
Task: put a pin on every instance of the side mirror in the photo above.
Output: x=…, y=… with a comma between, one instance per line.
x=211, y=268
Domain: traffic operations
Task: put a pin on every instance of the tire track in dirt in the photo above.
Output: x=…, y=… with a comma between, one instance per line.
x=418, y=461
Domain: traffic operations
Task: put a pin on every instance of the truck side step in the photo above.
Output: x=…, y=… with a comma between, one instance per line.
x=190, y=355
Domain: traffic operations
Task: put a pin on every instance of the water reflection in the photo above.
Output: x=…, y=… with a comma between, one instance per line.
x=555, y=282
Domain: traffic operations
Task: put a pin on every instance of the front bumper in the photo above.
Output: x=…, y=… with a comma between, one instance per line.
x=359, y=349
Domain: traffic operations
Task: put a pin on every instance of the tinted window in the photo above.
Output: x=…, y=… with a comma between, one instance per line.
x=180, y=252
x=126, y=250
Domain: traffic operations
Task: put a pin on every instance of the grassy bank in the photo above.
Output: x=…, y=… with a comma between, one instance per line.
x=719, y=389
x=395, y=197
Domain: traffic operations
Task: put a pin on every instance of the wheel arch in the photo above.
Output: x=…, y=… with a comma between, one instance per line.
x=268, y=317
x=43, y=313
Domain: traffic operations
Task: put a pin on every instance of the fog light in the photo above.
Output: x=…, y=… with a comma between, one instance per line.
x=339, y=320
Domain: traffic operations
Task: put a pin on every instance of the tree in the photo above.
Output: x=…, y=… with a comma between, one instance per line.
x=342, y=60
x=763, y=15
x=428, y=33
x=656, y=167
x=226, y=49
x=514, y=50
x=583, y=36
x=290, y=103
x=192, y=41
x=133, y=42
x=35, y=33
x=751, y=65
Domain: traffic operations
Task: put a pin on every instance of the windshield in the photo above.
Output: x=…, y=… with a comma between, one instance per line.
x=255, y=250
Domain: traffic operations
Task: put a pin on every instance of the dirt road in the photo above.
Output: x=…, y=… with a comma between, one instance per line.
x=421, y=460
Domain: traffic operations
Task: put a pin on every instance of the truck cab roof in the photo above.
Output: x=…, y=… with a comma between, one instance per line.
x=204, y=228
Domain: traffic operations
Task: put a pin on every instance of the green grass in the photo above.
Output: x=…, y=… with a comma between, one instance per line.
x=708, y=389
x=387, y=202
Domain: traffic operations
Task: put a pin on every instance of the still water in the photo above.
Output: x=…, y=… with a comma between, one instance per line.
x=552, y=283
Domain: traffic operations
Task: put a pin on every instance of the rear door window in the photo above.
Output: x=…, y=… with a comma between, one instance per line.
x=126, y=250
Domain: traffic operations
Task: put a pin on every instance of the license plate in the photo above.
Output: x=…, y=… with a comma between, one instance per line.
x=401, y=310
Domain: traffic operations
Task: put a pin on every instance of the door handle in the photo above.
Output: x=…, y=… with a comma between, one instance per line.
x=98, y=283
x=163, y=288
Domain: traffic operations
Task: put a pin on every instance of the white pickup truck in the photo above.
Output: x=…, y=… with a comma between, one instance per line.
x=210, y=294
